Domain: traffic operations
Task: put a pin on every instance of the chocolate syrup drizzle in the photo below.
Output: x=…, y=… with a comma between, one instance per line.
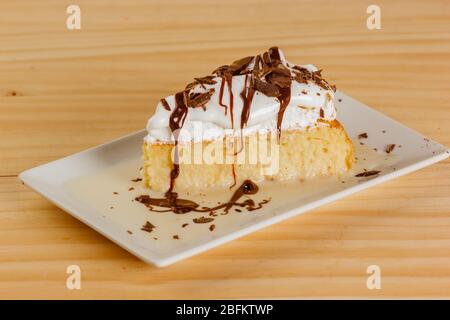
x=176, y=122
x=227, y=78
x=247, y=97
x=165, y=104
x=222, y=86
x=284, y=99
x=285, y=93
x=182, y=206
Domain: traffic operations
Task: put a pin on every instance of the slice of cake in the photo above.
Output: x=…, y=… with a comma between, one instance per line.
x=259, y=118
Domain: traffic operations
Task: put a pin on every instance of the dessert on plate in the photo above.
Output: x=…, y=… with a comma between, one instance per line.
x=259, y=118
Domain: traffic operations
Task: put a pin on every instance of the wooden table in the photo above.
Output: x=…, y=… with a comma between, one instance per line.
x=62, y=91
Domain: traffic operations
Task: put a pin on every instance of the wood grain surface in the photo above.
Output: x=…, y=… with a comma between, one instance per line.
x=62, y=91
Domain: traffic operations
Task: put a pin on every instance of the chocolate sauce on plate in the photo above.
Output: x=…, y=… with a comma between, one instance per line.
x=171, y=202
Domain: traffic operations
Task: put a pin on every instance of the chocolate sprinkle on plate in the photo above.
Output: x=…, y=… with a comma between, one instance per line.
x=212, y=227
x=368, y=173
x=203, y=220
x=148, y=227
x=390, y=148
x=363, y=135
x=136, y=179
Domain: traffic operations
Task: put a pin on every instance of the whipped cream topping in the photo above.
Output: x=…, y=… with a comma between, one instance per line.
x=222, y=111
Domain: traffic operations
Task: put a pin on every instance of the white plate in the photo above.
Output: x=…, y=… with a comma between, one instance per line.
x=83, y=185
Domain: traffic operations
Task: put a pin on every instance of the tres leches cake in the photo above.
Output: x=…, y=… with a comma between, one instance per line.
x=259, y=118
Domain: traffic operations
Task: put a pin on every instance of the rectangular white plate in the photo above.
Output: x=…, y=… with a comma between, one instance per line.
x=83, y=185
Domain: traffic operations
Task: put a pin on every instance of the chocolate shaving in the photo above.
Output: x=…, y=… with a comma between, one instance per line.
x=280, y=80
x=206, y=80
x=136, y=179
x=266, y=59
x=303, y=75
x=368, y=173
x=236, y=68
x=176, y=237
x=262, y=72
x=300, y=68
x=390, y=148
x=239, y=65
x=265, y=88
x=197, y=100
x=280, y=70
x=220, y=71
x=191, y=86
x=212, y=227
x=203, y=220
x=317, y=78
x=184, y=225
x=148, y=227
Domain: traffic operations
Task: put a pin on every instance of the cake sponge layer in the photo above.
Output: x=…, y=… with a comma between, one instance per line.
x=299, y=154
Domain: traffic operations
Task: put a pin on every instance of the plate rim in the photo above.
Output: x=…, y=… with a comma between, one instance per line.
x=62, y=202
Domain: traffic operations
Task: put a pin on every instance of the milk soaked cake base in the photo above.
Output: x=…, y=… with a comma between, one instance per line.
x=320, y=151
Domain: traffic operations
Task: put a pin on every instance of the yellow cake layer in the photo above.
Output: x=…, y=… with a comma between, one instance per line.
x=300, y=154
